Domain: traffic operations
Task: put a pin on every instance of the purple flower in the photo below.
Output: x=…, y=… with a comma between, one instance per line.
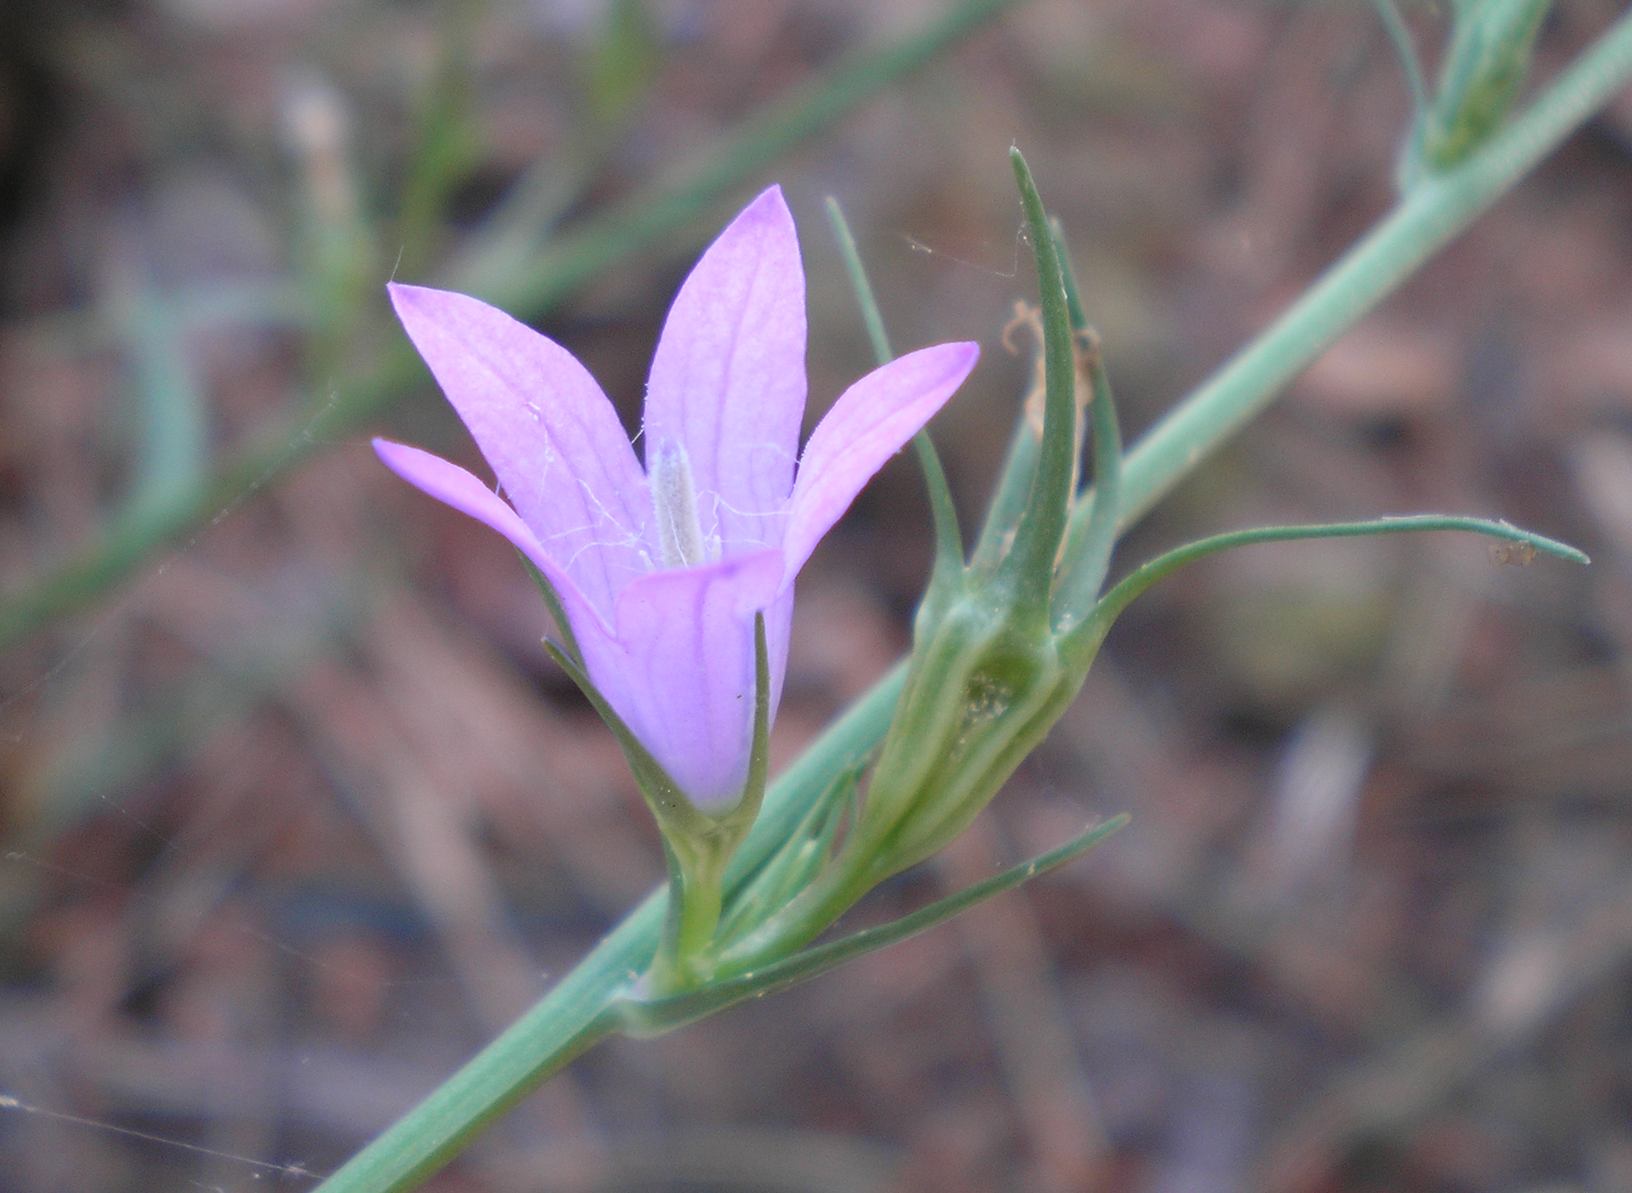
x=661, y=570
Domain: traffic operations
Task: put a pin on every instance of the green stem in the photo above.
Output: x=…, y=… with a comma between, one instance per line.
x=696, y=891
x=526, y=288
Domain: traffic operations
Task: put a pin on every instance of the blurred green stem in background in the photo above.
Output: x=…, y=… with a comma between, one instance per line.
x=531, y=282
x=581, y=1008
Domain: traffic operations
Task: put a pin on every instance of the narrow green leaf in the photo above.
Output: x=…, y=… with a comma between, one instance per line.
x=1075, y=311
x=1009, y=500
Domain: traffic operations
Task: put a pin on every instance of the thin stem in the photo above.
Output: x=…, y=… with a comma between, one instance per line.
x=696, y=897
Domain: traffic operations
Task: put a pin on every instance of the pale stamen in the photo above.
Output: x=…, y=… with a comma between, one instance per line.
x=680, y=541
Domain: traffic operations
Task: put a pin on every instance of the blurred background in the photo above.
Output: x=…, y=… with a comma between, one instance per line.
x=297, y=814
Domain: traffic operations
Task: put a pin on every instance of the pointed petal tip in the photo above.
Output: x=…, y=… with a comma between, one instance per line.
x=770, y=209
x=965, y=353
x=420, y=308
x=938, y=364
x=389, y=450
x=412, y=464
x=771, y=198
x=401, y=292
x=411, y=301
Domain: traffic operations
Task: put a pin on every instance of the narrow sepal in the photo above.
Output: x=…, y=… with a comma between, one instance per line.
x=1029, y=567
x=759, y=754
x=795, y=863
x=638, y=1016
x=668, y=802
x=558, y=611
x=1009, y=500
x=1088, y=548
x=1399, y=35
x=943, y=514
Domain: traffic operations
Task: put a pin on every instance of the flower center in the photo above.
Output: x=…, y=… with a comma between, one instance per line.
x=680, y=541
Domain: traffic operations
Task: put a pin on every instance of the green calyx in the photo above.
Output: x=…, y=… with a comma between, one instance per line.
x=988, y=677
x=697, y=844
